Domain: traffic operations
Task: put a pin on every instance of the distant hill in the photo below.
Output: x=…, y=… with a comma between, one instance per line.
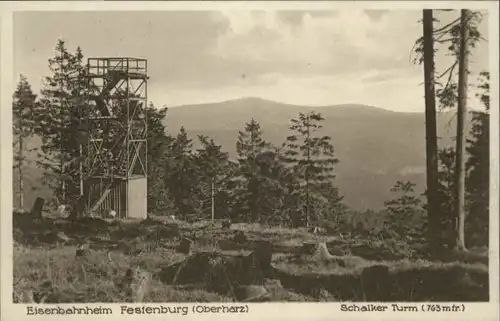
x=376, y=147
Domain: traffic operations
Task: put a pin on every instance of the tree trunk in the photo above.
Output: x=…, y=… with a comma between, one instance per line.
x=460, y=142
x=61, y=151
x=20, y=171
x=433, y=228
x=212, y=192
x=308, y=214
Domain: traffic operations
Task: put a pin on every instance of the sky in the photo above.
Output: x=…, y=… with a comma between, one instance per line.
x=310, y=58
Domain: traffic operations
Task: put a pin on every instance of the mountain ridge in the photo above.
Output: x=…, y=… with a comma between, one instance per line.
x=259, y=100
x=376, y=147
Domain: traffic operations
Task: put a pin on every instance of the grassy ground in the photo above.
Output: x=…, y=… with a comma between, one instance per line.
x=123, y=261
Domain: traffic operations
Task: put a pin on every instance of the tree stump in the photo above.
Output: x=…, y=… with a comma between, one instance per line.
x=322, y=253
x=264, y=254
x=36, y=210
x=240, y=237
x=77, y=210
x=43, y=292
x=126, y=282
x=82, y=250
x=135, y=284
x=63, y=237
x=308, y=248
x=334, y=250
x=226, y=224
x=185, y=246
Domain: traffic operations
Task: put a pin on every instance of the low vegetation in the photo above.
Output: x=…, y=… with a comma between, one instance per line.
x=95, y=260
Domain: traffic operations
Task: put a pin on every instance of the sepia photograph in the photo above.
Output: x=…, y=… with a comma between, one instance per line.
x=252, y=155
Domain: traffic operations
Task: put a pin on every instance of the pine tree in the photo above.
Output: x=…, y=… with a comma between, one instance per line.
x=160, y=200
x=24, y=126
x=403, y=209
x=156, y=137
x=61, y=99
x=274, y=178
x=214, y=172
x=478, y=174
x=312, y=159
x=249, y=147
x=250, y=142
x=181, y=177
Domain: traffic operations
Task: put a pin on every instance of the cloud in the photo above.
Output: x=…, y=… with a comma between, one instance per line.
x=342, y=41
x=302, y=57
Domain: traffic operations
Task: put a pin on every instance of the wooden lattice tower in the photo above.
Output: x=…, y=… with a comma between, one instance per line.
x=114, y=174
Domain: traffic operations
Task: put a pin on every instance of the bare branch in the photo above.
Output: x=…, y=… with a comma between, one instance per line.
x=444, y=40
x=450, y=121
x=20, y=279
x=450, y=75
x=417, y=45
x=446, y=27
x=450, y=69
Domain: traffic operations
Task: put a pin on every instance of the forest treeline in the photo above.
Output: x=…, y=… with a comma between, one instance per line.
x=292, y=184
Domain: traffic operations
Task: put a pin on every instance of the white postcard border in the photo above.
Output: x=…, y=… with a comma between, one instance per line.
x=267, y=311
